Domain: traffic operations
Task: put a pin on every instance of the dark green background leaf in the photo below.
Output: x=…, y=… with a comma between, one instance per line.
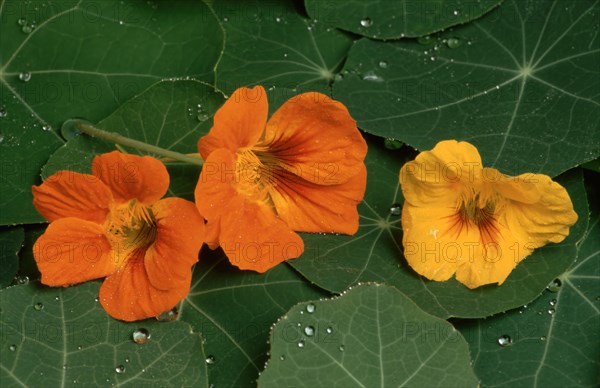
x=10, y=245
x=170, y=114
x=84, y=59
x=523, y=86
x=375, y=254
x=372, y=336
x=555, y=339
x=391, y=19
x=63, y=337
x=234, y=309
x=269, y=43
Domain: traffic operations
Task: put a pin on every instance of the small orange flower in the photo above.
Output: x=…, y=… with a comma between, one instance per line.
x=302, y=170
x=459, y=217
x=114, y=224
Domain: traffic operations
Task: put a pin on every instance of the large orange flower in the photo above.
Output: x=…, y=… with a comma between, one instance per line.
x=459, y=217
x=302, y=170
x=114, y=224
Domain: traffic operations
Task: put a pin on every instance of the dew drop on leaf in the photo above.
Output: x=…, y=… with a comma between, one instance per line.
x=310, y=308
x=428, y=39
x=22, y=21
x=210, y=360
x=453, y=43
x=554, y=285
x=38, y=306
x=120, y=369
x=26, y=29
x=140, y=336
x=366, y=22
x=301, y=344
x=23, y=279
x=504, y=340
x=341, y=348
x=3, y=112
x=12, y=348
x=395, y=209
x=329, y=330
x=170, y=315
x=553, y=302
x=309, y=331
x=383, y=64
x=551, y=311
x=282, y=357
x=25, y=77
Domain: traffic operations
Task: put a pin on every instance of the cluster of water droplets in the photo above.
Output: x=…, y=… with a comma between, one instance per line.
x=199, y=111
x=26, y=26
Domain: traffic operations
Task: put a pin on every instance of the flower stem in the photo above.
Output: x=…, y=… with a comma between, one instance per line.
x=140, y=145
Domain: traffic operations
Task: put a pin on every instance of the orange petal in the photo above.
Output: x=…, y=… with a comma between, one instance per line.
x=180, y=234
x=308, y=207
x=73, y=251
x=129, y=295
x=71, y=194
x=254, y=238
x=238, y=123
x=132, y=176
x=215, y=187
x=315, y=138
x=436, y=178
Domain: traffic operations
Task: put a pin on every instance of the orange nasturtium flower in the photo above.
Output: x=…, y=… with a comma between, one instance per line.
x=462, y=218
x=114, y=224
x=302, y=170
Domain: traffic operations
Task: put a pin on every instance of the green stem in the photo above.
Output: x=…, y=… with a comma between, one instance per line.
x=140, y=145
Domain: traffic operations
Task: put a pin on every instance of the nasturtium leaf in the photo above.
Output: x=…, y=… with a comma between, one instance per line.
x=554, y=341
x=374, y=253
x=269, y=43
x=64, y=58
x=11, y=241
x=234, y=309
x=63, y=337
x=392, y=19
x=372, y=336
x=170, y=114
x=522, y=86
x=28, y=270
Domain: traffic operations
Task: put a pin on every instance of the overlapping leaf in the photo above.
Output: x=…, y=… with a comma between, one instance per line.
x=554, y=341
x=63, y=337
x=171, y=114
x=10, y=244
x=234, y=309
x=374, y=253
x=108, y=52
x=372, y=336
x=269, y=43
x=522, y=86
x=386, y=19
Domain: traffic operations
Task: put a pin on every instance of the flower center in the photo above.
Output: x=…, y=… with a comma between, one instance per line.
x=478, y=212
x=255, y=174
x=130, y=227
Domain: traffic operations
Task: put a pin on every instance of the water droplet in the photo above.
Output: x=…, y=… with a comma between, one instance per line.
x=56, y=298
x=309, y=331
x=79, y=347
x=225, y=19
x=370, y=76
x=301, y=343
x=210, y=360
x=170, y=315
x=141, y=336
x=310, y=308
x=454, y=43
x=202, y=117
x=338, y=77
x=23, y=279
x=22, y=21
x=366, y=22
x=278, y=19
x=38, y=306
x=120, y=369
x=554, y=285
x=96, y=299
x=329, y=330
x=25, y=77
x=392, y=144
x=26, y=29
x=341, y=348
x=504, y=340
x=455, y=12
x=383, y=64
x=543, y=338
x=12, y=348
x=64, y=366
x=282, y=357
x=395, y=209
x=3, y=112
x=427, y=39
x=553, y=302
x=551, y=311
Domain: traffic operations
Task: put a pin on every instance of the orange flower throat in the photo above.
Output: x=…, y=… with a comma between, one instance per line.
x=256, y=174
x=476, y=210
x=129, y=228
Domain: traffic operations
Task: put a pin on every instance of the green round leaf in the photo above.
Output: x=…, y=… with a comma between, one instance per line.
x=523, y=87
x=371, y=336
x=387, y=19
x=11, y=241
x=63, y=337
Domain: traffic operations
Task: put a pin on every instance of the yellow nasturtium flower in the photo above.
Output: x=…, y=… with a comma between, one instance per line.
x=462, y=218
